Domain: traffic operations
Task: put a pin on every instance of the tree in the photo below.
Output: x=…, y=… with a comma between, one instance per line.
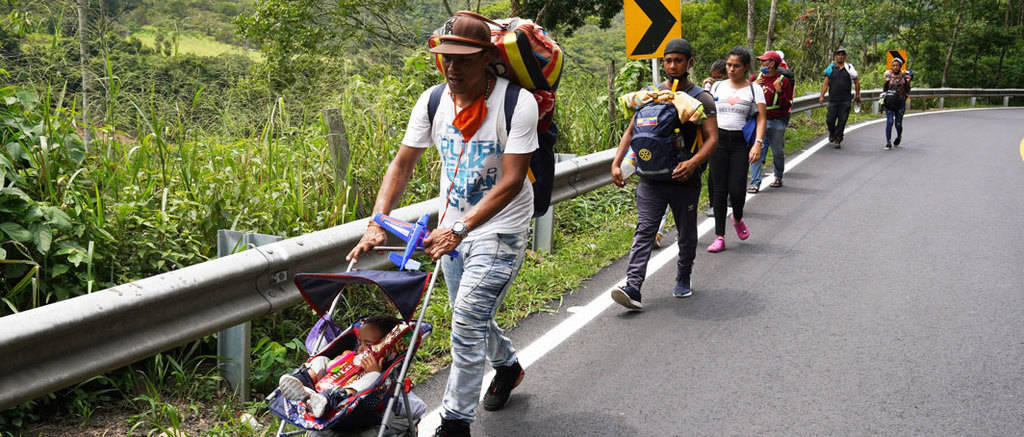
x=566, y=15
x=952, y=41
x=750, y=23
x=287, y=29
x=771, y=25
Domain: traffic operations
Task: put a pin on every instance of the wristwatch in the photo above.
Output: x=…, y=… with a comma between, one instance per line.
x=459, y=229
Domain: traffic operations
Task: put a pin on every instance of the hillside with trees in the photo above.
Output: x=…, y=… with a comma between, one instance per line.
x=132, y=130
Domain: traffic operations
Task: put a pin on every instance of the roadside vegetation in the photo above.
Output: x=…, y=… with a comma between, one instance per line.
x=206, y=115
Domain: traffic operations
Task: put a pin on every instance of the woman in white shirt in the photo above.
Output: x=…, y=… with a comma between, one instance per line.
x=737, y=101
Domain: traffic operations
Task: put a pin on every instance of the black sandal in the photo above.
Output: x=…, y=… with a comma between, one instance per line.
x=776, y=184
x=752, y=189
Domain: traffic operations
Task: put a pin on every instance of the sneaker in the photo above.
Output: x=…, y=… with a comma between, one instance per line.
x=710, y=212
x=718, y=245
x=628, y=297
x=898, y=139
x=838, y=144
x=741, y=229
x=888, y=146
x=505, y=379
x=682, y=289
x=293, y=389
x=452, y=428
x=317, y=404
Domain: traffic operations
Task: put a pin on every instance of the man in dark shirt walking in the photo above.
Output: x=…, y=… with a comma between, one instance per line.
x=840, y=77
x=681, y=194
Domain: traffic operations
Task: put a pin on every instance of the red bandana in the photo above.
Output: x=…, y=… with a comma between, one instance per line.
x=469, y=119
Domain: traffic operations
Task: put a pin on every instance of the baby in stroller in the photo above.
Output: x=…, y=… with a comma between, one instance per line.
x=307, y=383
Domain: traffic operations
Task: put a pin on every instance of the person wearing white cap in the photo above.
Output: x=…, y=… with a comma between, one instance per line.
x=485, y=212
x=894, y=92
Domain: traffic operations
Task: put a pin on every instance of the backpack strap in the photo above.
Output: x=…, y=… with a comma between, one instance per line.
x=435, y=101
x=753, y=99
x=775, y=94
x=695, y=90
x=511, y=99
x=698, y=140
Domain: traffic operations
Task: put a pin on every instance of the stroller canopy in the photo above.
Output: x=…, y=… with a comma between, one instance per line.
x=402, y=288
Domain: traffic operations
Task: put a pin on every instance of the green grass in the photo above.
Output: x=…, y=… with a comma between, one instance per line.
x=196, y=44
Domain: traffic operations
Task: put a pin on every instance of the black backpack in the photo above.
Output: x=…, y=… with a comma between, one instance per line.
x=658, y=140
x=542, y=161
x=891, y=99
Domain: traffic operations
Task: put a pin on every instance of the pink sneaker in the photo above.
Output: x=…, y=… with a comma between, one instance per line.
x=718, y=245
x=741, y=229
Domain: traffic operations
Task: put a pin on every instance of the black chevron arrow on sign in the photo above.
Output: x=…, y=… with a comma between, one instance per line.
x=661, y=22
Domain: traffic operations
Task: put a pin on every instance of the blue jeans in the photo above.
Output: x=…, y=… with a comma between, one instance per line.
x=477, y=282
x=894, y=117
x=774, y=139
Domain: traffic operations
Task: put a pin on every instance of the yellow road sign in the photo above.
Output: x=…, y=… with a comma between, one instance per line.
x=649, y=25
x=892, y=54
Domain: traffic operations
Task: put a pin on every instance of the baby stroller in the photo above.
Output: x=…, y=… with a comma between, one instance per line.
x=322, y=291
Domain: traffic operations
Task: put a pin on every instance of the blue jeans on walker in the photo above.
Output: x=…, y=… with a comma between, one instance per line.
x=894, y=117
x=477, y=282
x=774, y=139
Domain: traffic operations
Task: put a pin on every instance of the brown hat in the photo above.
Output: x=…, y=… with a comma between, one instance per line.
x=463, y=34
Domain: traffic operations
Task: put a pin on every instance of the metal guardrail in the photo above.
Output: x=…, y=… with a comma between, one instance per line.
x=63, y=343
x=809, y=102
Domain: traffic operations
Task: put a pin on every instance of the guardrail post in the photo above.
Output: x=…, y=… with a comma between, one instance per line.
x=974, y=101
x=233, y=344
x=942, y=102
x=543, y=226
x=1006, y=100
x=874, y=107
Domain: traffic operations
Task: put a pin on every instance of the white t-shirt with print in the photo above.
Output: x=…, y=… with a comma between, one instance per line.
x=735, y=105
x=480, y=169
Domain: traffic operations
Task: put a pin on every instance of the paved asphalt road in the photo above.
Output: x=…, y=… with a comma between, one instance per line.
x=881, y=293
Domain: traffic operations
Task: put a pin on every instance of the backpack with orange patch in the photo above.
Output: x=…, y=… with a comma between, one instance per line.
x=529, y=58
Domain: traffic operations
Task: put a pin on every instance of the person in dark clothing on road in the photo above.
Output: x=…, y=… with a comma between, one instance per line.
x=894, y=97
x=840, y=78
x=681, y=194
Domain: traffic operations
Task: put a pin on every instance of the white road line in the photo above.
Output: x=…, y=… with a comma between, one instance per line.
x=583, y=315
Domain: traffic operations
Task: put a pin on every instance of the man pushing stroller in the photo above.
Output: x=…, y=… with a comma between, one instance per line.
x=486, y=206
